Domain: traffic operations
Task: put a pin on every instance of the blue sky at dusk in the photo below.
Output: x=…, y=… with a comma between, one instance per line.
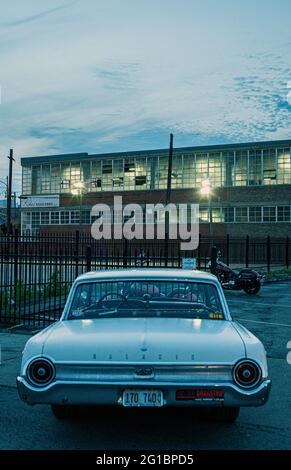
x=111, y=75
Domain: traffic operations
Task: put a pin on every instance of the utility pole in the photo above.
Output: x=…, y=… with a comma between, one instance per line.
x=170, y=166
x=9, y=191
x=168, y=199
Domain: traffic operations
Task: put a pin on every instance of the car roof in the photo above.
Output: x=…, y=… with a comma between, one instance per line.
x=142, y=273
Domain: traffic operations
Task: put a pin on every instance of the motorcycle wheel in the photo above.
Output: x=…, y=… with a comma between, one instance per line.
x=253, y=289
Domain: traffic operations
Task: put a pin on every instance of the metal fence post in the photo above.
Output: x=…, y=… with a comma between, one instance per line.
x=287, y=252
x=77, y=245
x=17, y=286
x=199, y=251
x=268, y=253
x=227, y=249
x=213, y=259
x=166, y=246
x=88, y=258
x=247, y=250
x=125, y=252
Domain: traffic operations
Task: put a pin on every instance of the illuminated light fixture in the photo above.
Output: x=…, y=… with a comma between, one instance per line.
x=78, y=185
x=206, y=188
x=77, y=188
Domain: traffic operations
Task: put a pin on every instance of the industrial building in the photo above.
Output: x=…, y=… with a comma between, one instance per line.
x=250, y=186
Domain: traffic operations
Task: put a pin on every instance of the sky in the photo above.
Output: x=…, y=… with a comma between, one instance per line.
x=115, y=75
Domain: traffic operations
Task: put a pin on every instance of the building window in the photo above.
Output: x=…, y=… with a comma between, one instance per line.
x=255, y=167
x=269, y=166
x=228, y=162
x=129, y=174
x=283, y=213
x=241, y=168
x=46, y=179
x=216, y=215
x=44, y=218
x=118, y=175
x=140, y=181
x=26, y=223
x=65, y=177
x=177, y=170
x=75, y=217
x=65, y=184
x=75, y=172
x=201, y=169
x=107, y=175
x=255, y=214
x=55, y=218
x=85, y=217
x=269, y=214
x=55, y=178
x=228, y=214
x=118, y=183
x=203, y=215
x=188, y=171
x=241, y=214
x=214, y=172
x=162, y=175
x=85, y=173
x=141, y=173
x=35, y=222
x=96, y=176
x=65, y=217
x=36, y=179
x=96, y=183
x=26, y=180
x=284, y=166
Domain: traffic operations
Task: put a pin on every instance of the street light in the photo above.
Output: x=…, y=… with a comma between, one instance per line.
x=206, y=190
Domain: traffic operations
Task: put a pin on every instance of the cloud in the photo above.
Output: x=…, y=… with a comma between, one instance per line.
x=36, y=16
x=122, y=75
x=289, y=93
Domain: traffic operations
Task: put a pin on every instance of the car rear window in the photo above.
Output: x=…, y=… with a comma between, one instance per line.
x=147, y=298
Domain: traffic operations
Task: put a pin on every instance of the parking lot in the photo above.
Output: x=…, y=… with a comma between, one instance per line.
x=268, y=315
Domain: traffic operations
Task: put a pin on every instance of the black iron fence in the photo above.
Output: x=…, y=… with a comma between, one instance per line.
x=36, y=272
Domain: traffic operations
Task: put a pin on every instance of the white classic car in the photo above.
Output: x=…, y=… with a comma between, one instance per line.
x=145, y=338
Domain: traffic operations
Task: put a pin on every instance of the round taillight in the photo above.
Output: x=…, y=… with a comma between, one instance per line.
x=247, y=374
x=41, y=372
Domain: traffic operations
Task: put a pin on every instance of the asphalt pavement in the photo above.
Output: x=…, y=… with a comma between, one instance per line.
x=267, y=315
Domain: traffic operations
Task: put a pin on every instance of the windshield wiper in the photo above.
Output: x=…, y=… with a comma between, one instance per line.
x=188, y=302
x=102, y=310
x=107, y=312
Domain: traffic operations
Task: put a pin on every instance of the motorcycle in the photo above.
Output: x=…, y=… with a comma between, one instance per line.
x=246, y=279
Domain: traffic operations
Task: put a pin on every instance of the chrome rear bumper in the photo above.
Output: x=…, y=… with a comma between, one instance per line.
x=108, y=393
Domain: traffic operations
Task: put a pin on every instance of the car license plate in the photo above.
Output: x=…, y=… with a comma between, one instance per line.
x=142, y=398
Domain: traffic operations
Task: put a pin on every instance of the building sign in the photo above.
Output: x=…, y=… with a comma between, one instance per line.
x=188, y=263
x=31, y=202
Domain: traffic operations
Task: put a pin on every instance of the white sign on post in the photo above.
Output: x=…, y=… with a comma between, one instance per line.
x=189, y=263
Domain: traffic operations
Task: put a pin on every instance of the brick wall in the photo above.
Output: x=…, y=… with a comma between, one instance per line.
x=240, y=196
x=273, y=195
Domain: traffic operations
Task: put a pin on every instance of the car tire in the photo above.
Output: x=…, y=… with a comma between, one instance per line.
x=226, y=414
x=65, y=411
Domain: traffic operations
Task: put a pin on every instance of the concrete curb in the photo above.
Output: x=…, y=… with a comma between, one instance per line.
x=278, y=279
